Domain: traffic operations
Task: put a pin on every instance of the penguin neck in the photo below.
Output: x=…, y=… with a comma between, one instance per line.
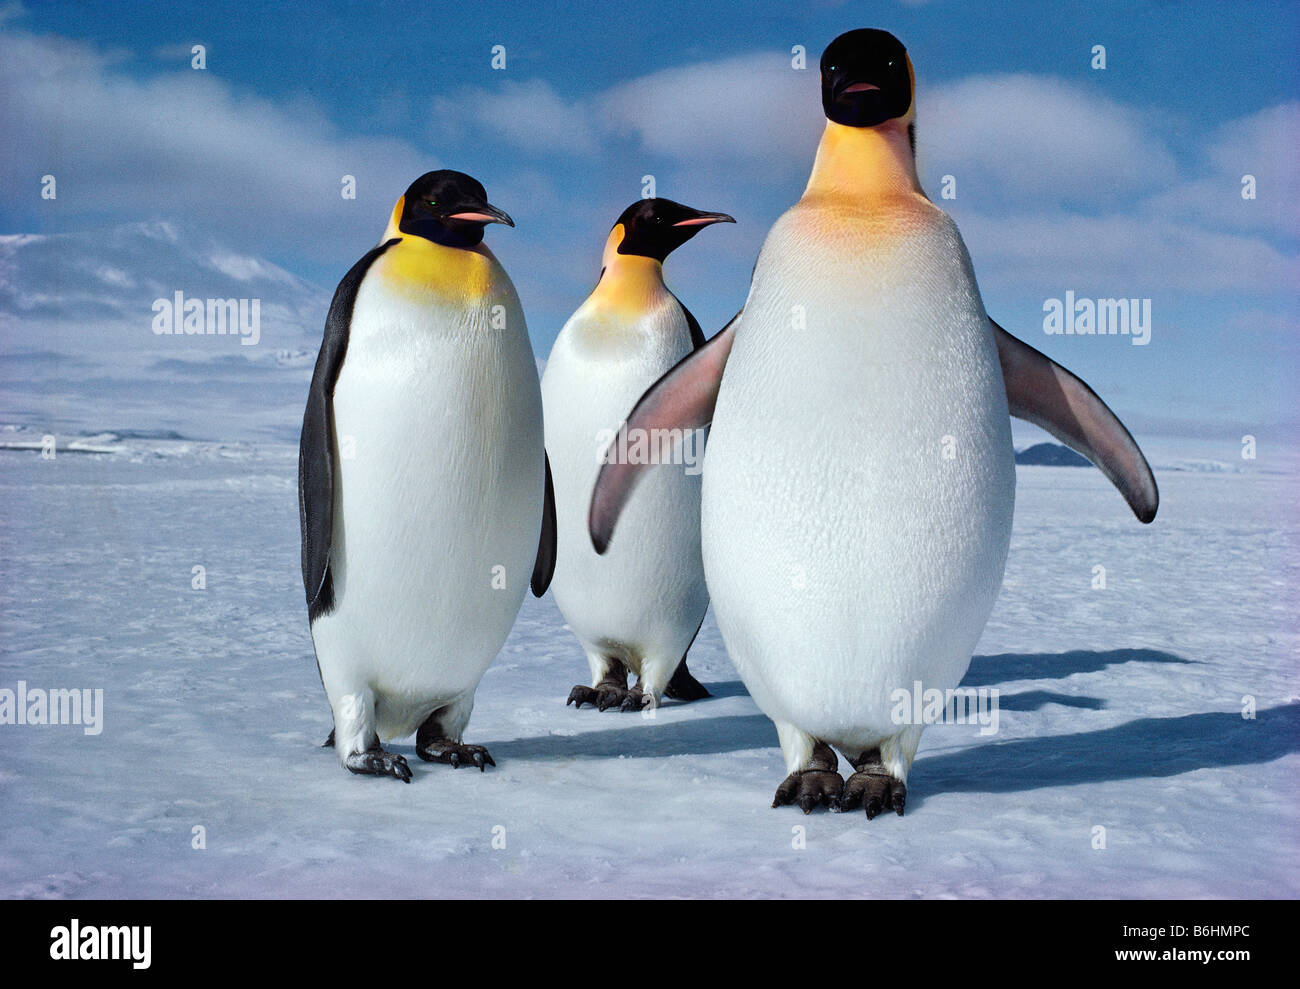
x=627, y=281
x=865, y=161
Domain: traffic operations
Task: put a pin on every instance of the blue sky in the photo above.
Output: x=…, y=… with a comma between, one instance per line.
x=1116, y=183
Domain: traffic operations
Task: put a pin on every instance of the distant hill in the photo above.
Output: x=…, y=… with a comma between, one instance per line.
x=79, y=357
x=1050, y=455
x=91, y=294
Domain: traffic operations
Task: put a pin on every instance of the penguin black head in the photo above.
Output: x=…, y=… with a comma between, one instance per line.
x=866, y=78
x=654, y=228
x=448, y=208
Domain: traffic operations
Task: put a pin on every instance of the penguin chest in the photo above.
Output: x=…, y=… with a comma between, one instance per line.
x=649, y=587
x=438, y=493
x=859, y=484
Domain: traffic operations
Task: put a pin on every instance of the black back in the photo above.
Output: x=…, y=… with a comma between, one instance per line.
x=544, y=565
x=316, y=468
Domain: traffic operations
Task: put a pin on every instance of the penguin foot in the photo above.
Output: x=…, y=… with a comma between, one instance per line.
x=873, y=787
x=454, y=754
x=637, y=699
x=875, y=792
x=377, y=762
x=819, y=783
x=608, y=695
x=684, y=687
x=810, y=788
x=610, y=691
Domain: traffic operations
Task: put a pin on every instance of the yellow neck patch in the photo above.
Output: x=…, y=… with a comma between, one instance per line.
x=421, y=267
x=630, y=281
x=864, y=161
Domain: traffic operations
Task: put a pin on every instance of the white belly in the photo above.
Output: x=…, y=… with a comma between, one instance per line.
x=646, y=596
x=438, y=500
x=859, y=483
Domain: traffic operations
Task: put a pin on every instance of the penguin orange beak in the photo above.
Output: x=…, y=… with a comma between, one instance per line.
x=704, y=219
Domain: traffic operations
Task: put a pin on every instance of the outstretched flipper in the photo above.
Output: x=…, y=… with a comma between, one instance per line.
x=1042, y=392
x=544, y=567
x=316, y=468
x=684, y=398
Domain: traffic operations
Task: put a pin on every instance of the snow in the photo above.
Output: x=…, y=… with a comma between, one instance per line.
x=1120, y=708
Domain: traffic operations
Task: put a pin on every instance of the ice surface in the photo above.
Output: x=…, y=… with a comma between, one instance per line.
x=1120, y=708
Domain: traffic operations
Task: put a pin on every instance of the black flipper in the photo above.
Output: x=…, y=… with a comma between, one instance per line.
x=697, y=334
x=544, y=567
x=316, y=447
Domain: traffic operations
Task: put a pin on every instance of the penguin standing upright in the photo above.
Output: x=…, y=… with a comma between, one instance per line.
x=638, y=607
x=859, y=481
x=424, y=496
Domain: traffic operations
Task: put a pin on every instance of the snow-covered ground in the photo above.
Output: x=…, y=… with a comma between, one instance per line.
x=1121, y=708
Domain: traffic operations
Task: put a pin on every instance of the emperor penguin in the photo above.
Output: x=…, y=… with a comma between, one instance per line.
x=423, y=490
x=639, y=606
x=859, y=479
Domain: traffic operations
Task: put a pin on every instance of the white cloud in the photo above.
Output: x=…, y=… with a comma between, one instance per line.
x=1127, y=255
x=530, y=115
x=1040, y=137
x=1262, y=145
x=749, y=111
x=187, y=145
